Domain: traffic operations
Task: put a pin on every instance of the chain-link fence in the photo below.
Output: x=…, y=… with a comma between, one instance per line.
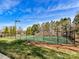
x=52, y=34
x=56, y=36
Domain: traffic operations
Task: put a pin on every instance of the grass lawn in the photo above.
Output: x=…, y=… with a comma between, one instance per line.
x=18, y=49
x=7, y=39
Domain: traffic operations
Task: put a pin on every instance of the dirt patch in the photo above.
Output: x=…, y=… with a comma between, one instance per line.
x=51, y=46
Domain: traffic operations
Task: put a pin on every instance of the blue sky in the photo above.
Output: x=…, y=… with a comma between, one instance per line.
x=35, y=11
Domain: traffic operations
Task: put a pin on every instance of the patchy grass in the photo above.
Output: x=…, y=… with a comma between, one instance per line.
x=7, y=39
x=19, y=49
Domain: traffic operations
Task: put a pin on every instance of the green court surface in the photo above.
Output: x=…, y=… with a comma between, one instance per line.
x=49, y=39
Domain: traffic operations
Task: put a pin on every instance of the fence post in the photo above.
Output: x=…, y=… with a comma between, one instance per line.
x=15, y=30
x=74, y=37
x=57, y=36
x=66, y=34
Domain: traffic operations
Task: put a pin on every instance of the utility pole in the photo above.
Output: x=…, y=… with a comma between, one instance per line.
x=16, y=21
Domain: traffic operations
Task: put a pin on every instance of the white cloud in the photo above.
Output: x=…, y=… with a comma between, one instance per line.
x=61, y=6
x=8, y=4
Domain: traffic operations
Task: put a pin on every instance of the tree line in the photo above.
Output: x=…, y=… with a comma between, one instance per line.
x=9, y=31
x=64, y=25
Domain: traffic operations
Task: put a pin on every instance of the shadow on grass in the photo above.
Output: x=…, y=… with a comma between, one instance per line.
x=38, y=52
x=21, y=47
x=4, y=46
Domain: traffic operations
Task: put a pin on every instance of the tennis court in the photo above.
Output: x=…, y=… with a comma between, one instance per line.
x=49, y=39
